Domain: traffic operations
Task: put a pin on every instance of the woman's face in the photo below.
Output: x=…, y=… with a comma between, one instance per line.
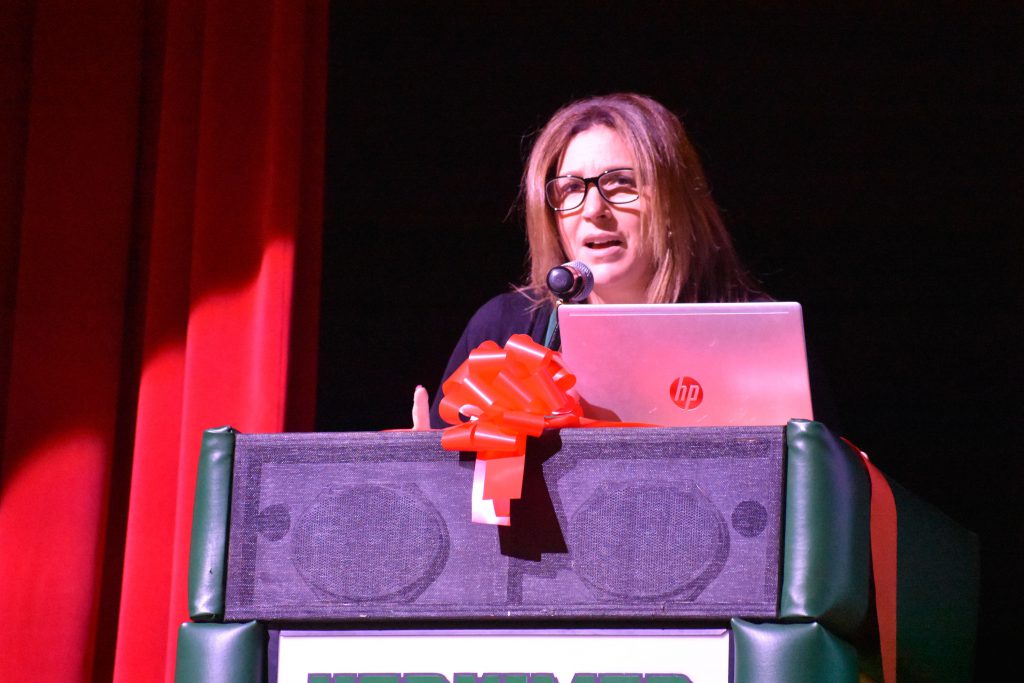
x=603, y=235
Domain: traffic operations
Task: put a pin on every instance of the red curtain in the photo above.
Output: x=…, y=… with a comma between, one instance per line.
x=160, y=212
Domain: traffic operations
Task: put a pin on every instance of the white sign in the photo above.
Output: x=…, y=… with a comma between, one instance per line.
x=530, y=656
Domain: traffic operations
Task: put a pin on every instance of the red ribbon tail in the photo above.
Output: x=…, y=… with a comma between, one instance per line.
x=504, y=478
x=884, y=537
x=488, y=510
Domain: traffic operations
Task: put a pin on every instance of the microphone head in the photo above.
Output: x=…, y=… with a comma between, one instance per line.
x=571, y=282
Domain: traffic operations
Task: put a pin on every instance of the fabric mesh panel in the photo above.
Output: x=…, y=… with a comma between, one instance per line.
x=626, y=540
x=613, y=523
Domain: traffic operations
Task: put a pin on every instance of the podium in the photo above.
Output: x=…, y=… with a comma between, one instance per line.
x=756, y=536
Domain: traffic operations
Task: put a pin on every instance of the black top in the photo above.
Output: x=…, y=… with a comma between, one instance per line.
x=510, y=313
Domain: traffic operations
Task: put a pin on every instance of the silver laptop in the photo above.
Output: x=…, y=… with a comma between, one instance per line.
x=688, y=364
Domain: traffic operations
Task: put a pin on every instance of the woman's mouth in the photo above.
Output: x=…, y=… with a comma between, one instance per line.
x=603, y=244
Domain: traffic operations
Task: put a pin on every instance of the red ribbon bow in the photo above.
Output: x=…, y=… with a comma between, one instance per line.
x=509, y=394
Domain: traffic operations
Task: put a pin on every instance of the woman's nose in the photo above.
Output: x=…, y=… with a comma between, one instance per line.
x=594, y=203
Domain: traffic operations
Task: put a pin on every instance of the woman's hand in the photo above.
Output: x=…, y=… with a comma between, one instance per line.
x=420, y=409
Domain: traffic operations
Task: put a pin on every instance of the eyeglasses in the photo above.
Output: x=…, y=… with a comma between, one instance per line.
x=567, y=192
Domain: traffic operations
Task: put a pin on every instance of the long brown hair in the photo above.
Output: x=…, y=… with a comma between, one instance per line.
x=693, y=253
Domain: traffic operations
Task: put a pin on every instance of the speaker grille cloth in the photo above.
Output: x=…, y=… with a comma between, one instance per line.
x=613, y=523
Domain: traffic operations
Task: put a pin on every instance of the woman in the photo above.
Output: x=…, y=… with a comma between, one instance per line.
x=614, y=182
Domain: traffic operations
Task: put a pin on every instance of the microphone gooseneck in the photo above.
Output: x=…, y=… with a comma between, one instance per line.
x=571, y=282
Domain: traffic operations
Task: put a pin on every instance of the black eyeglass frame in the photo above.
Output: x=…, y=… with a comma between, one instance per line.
x=587, y=182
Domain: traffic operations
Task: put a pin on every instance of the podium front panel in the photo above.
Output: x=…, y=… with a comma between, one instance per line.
x=614, y=523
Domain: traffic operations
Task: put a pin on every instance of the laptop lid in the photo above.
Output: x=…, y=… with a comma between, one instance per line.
x=688, y=364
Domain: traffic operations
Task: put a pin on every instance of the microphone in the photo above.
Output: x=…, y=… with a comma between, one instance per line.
x=571, y=282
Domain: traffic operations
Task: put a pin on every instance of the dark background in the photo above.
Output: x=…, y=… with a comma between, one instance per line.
x=868, y=163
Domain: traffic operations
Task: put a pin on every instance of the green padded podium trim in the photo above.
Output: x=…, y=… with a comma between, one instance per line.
x=208, y=552
x=826, y=566
x=790, y=653
x=220, y=653
x=936, y=593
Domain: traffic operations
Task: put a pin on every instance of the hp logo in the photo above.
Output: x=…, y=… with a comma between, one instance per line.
x=686, y=392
